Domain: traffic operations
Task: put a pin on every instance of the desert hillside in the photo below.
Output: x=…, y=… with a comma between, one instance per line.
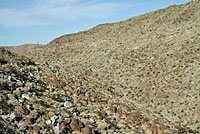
x=23, y=49
x=151, y=62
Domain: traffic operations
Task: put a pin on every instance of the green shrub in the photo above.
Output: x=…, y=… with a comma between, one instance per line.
x=101, y=114
x=3, y=86
x=15, y=71
x=111, y=124
x=57, y=97
x=3, y=104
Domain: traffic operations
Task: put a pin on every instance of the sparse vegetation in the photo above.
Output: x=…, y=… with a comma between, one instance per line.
x=3, y=104
x=101, y=114
x=111, y=124
x=15, y=71
x=57, y=97
x=4, y=86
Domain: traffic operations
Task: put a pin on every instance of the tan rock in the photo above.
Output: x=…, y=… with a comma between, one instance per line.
x=28, y=84
x=34, y=113
x=31, y=99
x=17, y=92
x=76, y=132
x=20, y=109
x=83, y=114
x=25, y=89
x=10, y=101
x=86, y=130
x=19, y=83
x=121, y=125
x=102, y=125
x=76, y=124
x=45, y=93
x=51, y=114
x=67, y=115
x=92, y=114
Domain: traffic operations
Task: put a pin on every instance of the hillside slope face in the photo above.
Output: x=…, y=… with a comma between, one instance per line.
x=23, y=49
x=152, y=61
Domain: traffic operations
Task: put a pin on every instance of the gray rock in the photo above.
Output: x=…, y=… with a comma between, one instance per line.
x=55, y=120
x=16, y=116
x=12, y=116
x=56, y=130
x=19, y=83
x=25, y=96
x=11, y=96
x=9, y=78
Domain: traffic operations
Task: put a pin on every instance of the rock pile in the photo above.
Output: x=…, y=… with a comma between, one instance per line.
x=29, y=105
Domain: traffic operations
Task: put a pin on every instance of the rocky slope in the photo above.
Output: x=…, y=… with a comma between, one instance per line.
x=38, y=99
x=141, y=74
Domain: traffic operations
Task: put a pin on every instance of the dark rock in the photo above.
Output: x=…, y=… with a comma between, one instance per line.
x=3, y=61
x=28, y=63
x=16, y=116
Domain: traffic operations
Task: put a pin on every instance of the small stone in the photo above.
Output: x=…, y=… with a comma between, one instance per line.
x=17, y=92
x=67, y=115
x=59, y=119
x=11, y=96
x=48, y=122
x=55, y=120
x=20, y=109
x=19, y=83
x=21, y=125
x=37, y=128
x=28, y=84
x=86, y=130
x=12, y=116
x=31, y=99
x=56, y=130
x=34, y=113
x=68, y=104
x=120, y=125
x=92, y=114
x=25, y=89
x=102, y=125
x=9, y=102
x=84, y=115
x=51, y=114
x=76, y=132
x=84, y=102
x=25, y=96
x=45, y=93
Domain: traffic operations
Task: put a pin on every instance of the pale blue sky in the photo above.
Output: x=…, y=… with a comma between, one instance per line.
x=40, y=21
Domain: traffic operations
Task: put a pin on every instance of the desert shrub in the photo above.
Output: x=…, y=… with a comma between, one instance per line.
x=111, y=124
x=57, y=97
x=15, y=71
x=3, y=104
x=4, y=86
x=101, y=114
